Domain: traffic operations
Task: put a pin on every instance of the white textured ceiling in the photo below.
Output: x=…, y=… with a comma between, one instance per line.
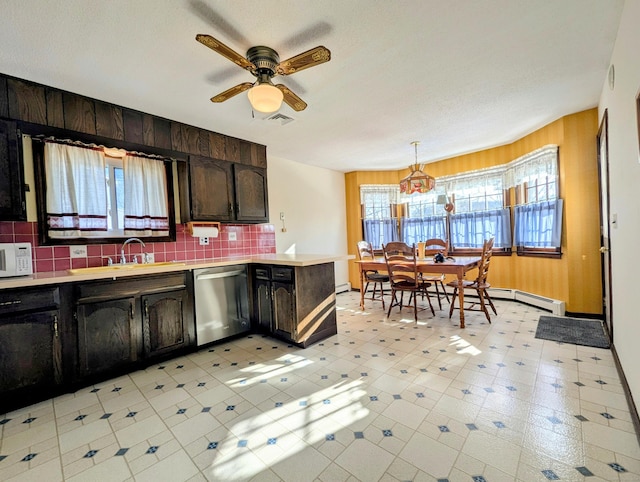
x=458, y=75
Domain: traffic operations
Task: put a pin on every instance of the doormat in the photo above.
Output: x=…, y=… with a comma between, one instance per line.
x=572, y=330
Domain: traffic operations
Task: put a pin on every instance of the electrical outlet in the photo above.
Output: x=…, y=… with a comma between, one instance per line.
x=232, y=236
x=78, y=252
x=204, y=241
x=151, y=258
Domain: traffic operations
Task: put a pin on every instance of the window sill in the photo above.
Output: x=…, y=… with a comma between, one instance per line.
x=478, y=252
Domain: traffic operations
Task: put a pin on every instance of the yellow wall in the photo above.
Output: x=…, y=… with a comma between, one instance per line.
x=575, y=278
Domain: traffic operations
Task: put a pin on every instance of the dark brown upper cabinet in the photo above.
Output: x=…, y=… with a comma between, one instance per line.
x=251, y=193
x=215, y=190
x=12, y=198
x=27, y=101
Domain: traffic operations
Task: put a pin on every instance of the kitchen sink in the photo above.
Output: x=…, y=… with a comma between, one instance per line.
x=121, y=267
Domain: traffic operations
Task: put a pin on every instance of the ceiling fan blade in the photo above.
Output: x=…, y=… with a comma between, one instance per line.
x=227, y=94
x=310, y=58
x=292, y=100
x=225, y=51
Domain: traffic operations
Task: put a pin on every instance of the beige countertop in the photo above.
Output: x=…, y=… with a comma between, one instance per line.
x=55, y=277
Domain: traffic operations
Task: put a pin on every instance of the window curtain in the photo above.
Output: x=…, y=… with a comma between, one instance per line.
x=536, y=165
x=469, y=230
x=415, y=230
x=538, y=225
x=76, y=190
x=379, y=222
x=380, y=231
x=145, y=197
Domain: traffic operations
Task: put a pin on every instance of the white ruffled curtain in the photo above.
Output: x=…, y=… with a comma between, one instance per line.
x=539, y=164
x=76, y=191
x=145, y=197
x=380, y=231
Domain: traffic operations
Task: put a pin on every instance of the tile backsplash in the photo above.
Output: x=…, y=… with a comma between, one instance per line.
x=251, y=239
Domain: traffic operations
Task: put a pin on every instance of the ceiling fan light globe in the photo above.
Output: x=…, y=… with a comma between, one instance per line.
x=265, y=98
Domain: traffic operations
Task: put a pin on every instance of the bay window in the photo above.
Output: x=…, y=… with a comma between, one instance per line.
x=481, y=202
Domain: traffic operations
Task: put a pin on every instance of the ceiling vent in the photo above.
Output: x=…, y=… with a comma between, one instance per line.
x=279, y=118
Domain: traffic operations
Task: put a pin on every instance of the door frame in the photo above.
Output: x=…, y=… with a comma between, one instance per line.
x=605, y=222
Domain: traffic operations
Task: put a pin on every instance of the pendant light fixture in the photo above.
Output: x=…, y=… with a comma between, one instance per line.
x=417, y=181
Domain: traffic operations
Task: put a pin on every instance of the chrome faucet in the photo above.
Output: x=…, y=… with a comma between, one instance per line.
x=123, y=259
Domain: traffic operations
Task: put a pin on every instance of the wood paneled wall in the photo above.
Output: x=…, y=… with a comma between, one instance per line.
x=575, y=278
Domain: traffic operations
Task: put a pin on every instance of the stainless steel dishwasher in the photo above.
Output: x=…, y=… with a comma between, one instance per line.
x=222, y=302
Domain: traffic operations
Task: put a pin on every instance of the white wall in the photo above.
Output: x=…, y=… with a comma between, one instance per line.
x=314, y=204
x=624, y=165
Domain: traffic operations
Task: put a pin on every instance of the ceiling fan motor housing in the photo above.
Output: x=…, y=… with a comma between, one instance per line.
x=264, y=58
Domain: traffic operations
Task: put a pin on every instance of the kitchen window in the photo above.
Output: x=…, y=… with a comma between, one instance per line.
x=538, y=209
x=379, y=204
x=94, y=194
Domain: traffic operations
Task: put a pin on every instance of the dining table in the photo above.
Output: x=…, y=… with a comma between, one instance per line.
x=452, y=265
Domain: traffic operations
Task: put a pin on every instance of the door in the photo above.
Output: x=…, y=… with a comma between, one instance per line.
x=284, y=310
x=106, y=335
x=163, y=323
x=12, y=200
x=30, y=354
x=251, y=193
x=211, y=183
x=263, y=307
x=605, y=223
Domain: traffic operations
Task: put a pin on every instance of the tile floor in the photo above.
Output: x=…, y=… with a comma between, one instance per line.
x=382, y=400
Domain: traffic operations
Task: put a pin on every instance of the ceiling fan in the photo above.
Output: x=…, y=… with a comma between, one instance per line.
x=264, y=63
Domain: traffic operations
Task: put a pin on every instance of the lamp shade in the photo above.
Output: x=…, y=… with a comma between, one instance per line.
x=417, y=181
x=265, y=98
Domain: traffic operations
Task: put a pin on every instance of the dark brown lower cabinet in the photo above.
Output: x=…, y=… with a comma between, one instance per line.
x=125, y=322
x=107, y=335
x=30, y=345
x=296, y=304
x=163, y=322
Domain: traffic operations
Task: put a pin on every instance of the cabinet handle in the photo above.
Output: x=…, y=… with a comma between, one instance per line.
x=13, y=302
x=230, y=209
x=146, y=308
x=55, y=326
x=133, y=309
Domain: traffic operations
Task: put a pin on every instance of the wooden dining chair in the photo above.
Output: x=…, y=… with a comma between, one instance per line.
x=431, y=248
x=368, y=276
x=402, y=267
x=480, y=284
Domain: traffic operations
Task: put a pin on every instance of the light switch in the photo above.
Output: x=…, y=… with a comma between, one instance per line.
x=78, y=252
x=232, y=236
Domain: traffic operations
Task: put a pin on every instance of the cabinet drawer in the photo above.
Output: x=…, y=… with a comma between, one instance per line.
x=262, y=273
x=14, y=301
x=281, y=274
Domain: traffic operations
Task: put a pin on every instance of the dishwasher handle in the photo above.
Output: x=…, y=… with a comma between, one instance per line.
x=225, y=274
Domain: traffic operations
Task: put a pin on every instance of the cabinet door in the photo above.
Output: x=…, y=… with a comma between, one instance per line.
x=30, y=354
x=163, y=325
x=106, y=335
x=12, y=201
x=211, y=183
x=284, y=310
x=251, y=193
x=263, y=308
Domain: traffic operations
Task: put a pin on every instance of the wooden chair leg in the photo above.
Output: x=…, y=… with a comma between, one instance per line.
x=415, y=307
x=486, y=294
x=446, y=295
x=483, y=305
x=393, y=298
x=453, y=301
x=435, y=283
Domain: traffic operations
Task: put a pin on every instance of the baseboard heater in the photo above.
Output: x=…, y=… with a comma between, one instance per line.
x=556, y=307
x=341, y=288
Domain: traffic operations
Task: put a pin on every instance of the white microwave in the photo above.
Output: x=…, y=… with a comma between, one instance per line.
x=15, y=259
